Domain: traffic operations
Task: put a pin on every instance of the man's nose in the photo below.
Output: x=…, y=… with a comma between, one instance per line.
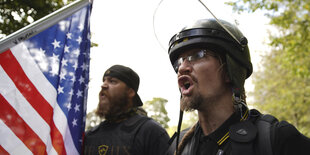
x=185, y=67
x=104, y=85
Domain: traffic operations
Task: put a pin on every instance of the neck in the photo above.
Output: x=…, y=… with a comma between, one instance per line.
x=215, y=114
x=122, y=116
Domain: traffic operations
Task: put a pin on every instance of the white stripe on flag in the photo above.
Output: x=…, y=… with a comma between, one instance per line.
x=12, y=144
x=34, y=73
x=62, y=125
x=47, y=90
x=25, y=110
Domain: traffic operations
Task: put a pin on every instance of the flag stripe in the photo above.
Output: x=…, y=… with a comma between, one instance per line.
x=25, y=86
x=3, y=151
x=11, y=143
x=47, y=91
x=32, y=95
x=34, y=73
x=10, y=117
x=25, y=110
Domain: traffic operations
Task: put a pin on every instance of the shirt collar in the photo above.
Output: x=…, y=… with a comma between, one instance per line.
x=221, y=134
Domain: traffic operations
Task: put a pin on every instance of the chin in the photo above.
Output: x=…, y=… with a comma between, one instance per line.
x=191, y=103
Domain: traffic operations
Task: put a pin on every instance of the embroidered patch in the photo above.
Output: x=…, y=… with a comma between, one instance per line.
x=103, y=149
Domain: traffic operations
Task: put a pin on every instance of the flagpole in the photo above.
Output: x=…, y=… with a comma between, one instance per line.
x=40, y=25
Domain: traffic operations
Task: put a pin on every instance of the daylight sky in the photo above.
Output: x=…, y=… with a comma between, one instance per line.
x=131, y=33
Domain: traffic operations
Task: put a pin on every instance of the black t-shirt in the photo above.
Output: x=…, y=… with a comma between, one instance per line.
x=287, y=140
x=138, y=135
x=218, y=141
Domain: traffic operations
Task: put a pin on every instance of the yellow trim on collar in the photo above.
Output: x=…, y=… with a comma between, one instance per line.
x=222, y=140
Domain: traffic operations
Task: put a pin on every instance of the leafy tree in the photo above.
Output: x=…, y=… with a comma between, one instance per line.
x=189, y=119
x=156, y=110
x=15, y=15
x=279, y=91
x=282, y=86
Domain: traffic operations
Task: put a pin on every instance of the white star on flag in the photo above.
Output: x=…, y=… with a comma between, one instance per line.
x=69, y=35
x=56, y=43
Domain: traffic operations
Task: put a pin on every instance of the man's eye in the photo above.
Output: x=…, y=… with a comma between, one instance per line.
x=194, y=57
x=113, y=81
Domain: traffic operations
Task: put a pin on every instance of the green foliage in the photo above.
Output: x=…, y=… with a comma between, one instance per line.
x=15, y=15
x=189, y=119
x=156, y=110
x=282, y=87
x=282, y=93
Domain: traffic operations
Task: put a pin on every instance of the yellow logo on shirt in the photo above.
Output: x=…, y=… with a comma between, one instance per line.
x=103, y=149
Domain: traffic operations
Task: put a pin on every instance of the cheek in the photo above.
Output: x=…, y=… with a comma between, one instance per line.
x=209, y=75
x=206, y=71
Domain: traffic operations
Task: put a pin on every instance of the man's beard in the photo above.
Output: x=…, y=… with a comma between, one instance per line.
x=195, y=102
x=116, y=107
x=190, y=104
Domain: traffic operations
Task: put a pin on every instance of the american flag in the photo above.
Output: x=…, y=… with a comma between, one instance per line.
x=43, y=85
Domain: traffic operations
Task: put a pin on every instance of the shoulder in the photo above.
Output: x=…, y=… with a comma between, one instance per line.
x=288, y=140
x=93, y=130
x=152, y=138
x=281, y=129
x=286, y=131
x=285, y=138
x=152, y=126
x=153, y=131
x=152, y=123
x=285, y=128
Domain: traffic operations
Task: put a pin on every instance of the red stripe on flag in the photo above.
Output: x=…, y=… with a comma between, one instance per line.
x=32, y=95
x=57, y=140
x=3, y=151
x=25, y=86
x=20, y=128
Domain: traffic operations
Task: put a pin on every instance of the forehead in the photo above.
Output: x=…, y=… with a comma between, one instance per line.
x=110, y=78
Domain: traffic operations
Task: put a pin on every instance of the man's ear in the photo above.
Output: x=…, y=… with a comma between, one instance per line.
x=225, y=75
x=227, y=79
x=131, y=93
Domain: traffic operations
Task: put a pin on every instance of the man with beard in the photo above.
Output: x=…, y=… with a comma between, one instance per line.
x=124, y=131
x=212, y=61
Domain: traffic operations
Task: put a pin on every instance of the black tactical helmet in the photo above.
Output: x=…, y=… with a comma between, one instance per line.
x=209, y=34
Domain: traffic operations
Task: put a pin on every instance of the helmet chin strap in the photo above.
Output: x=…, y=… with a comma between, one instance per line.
x=179, y=131
x=238, y=101
x=179, y=128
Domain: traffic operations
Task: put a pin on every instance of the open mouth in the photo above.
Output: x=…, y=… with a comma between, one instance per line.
x=185, y=85
x=102, y=94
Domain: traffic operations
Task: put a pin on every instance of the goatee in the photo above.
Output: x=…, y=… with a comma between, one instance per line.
x=195, y=102
x=191, y=103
